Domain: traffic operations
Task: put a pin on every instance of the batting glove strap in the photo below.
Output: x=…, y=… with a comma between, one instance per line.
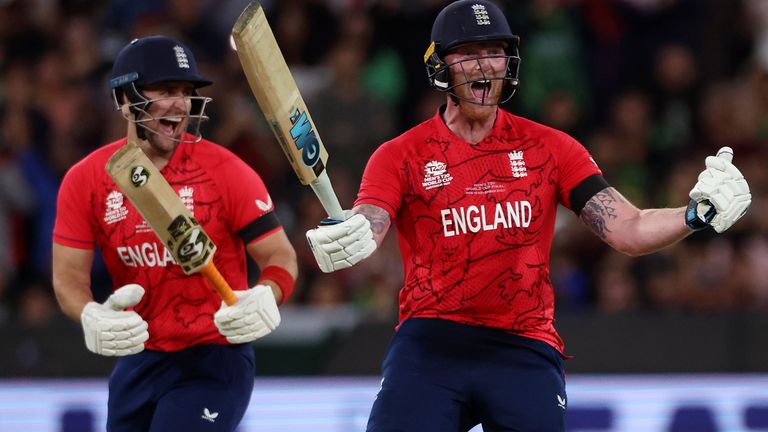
x=696, y=220
x=111, y=331
x=720, y=188
x=254, y=316
x=342, y=245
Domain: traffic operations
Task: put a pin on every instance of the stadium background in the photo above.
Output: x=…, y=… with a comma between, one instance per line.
x=650, y=87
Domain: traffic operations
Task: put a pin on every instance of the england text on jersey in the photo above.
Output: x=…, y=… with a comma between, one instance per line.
x=462, y=220
x=145, y=255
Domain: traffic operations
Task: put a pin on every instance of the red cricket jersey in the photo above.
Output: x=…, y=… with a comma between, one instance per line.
x=224, y=194
x=475, y=222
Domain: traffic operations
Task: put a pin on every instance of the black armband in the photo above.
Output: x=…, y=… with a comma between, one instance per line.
x=585, y=190
x=259, y=227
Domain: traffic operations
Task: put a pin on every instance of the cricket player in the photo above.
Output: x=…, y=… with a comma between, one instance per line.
x=185, y=362
x=473, y=193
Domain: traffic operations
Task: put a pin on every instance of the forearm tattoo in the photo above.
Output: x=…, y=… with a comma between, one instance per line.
x=378, y=217
x=600, y=209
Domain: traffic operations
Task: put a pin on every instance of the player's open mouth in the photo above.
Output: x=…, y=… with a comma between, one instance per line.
x=170, y=125
x=481, y=89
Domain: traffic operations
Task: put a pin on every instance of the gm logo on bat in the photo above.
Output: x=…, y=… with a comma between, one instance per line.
x=139, y=176
x=304, y=138
x=189, y=241
x=192, y=246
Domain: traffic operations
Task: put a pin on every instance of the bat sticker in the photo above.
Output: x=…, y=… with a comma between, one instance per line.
x=304, y=138
x=139, y=176
x=278, y=96
x=190, y=244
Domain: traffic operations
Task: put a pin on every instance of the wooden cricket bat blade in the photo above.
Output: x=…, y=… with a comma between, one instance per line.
x=278, y=96
x=159, y=205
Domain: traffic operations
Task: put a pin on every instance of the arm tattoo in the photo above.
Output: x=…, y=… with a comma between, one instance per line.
x=600, y=209
x=378, y=217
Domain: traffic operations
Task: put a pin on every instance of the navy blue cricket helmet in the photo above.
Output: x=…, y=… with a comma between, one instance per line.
x=468, y=21
x=152, y=60
x=155, y=59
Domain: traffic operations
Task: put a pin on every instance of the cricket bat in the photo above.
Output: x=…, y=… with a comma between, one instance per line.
x=279, y=99
x=191, y=248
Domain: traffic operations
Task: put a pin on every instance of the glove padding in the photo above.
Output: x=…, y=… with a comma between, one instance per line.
x=342, y=245
x=721, y=186
x=111, y=331
x=254, y=315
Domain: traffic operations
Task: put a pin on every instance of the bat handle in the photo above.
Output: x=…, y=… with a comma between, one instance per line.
x=324, y=190
x=219, y=283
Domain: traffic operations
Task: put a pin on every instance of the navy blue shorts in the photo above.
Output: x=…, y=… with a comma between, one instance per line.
x=203, y=388
x=444, y=376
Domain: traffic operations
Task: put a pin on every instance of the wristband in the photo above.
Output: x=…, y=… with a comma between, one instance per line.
x=281, y=278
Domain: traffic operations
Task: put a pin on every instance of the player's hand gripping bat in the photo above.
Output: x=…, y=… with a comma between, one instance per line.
x=278, y=96
x=139, y=179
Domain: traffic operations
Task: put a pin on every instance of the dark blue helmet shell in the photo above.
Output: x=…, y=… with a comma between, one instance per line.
x=467, y=21
x=155, y=59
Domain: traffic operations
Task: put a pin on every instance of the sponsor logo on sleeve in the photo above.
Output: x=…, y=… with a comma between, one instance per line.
x=593, y=161
x=264, y=206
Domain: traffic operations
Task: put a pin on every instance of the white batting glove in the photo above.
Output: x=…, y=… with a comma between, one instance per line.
x=111, y=331
x=722, y=188
x=342, y=245
x=254, y=315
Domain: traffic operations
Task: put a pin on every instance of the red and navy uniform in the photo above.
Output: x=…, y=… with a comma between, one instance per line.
x=225, y=195
x=187, y=369
x=475, y=225
x=475, y=222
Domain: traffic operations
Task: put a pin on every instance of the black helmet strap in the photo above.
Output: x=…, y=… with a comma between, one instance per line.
x=437, y=70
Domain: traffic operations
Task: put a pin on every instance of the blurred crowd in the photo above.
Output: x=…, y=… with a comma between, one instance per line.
x=650, y=87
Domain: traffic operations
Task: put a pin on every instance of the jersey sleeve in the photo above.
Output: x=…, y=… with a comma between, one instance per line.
x=74, y=224
x=576, y=164
x=252, y=210
x=382, y=182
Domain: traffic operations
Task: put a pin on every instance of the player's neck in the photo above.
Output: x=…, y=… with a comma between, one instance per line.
x=159, y=157
x=158, y=150
x=471, y=123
